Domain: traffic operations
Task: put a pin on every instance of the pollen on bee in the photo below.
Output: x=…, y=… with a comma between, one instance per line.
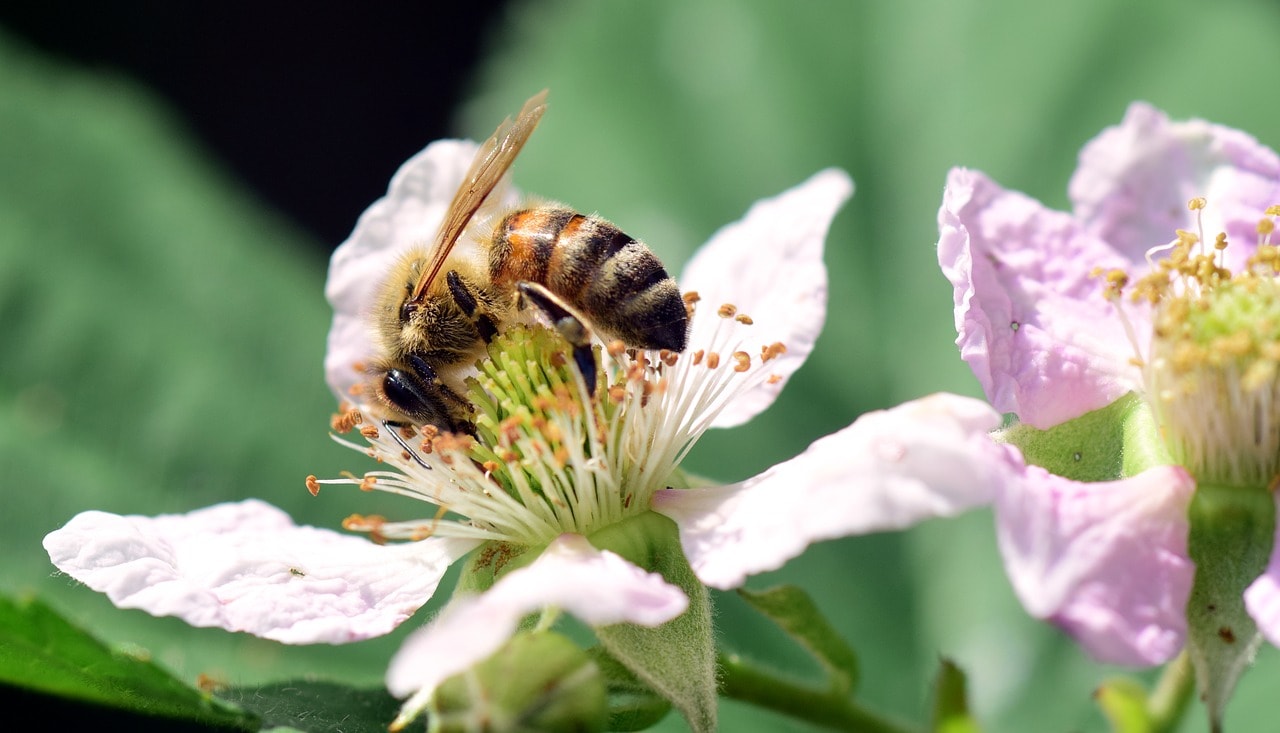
x=728, y=310
x=743, y=360
x=313, y=485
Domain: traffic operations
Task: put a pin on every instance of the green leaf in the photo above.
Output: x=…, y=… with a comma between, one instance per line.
x=794, y=611
x=316, y=706
x=40, y=650
x=950, y=712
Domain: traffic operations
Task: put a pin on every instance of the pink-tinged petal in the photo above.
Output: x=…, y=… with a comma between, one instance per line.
x=888, y=470
x=247, y=567
x=1032, y=320
x=1106, y=562
x=596, y=586
x=407, y=217
x=1262, y=598
x=768, y=265
x=1134, y=181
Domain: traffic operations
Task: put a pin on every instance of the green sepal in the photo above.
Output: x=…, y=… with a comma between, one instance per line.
x=1232, y=531
x=950, y=708
x=41, y=651
x=676, y=659
x=539, y=681
x=1088, y=448
x=633, y=705
x=795, y=613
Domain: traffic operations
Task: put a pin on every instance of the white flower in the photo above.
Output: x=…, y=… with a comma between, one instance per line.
x=761, y=301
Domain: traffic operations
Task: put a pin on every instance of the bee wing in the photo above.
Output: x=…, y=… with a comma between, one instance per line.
x=491, y=162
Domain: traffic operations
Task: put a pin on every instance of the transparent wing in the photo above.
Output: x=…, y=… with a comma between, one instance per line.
x=491, y=162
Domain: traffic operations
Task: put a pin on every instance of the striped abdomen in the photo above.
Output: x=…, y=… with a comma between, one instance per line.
x=613, y=280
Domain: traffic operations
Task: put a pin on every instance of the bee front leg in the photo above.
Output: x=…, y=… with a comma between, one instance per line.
x=471, y=306
x=567, y=323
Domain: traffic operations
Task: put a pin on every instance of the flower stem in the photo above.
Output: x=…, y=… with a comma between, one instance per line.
x=1172, y=694
x=741, y=680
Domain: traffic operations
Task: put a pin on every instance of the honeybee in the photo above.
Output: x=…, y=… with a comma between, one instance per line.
x=437, y=309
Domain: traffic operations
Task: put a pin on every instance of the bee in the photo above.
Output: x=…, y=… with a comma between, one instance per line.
x=438, y=308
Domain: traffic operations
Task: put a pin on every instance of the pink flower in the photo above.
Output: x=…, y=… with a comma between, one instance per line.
x=1108, y=560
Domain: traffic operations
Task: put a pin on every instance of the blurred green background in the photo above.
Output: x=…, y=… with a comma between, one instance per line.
x=162, y=329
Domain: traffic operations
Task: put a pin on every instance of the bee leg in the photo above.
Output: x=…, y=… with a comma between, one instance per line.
x=466, y=300
x=567, y=323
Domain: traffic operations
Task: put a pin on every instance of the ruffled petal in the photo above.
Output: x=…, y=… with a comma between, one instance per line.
x=247, y=567
x=1262, y=598
x=768, y=265
x=888, y=470
x=407, y=217
x=1134, y=181
x=1106, y=562
x=1032, y=321
x=596, y=586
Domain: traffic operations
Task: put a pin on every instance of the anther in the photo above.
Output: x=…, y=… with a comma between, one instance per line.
x=1197, y=203
x=367, y=483
x=668, y=357
x=369, y=431
x=713, y=360
x=313, y=485
x=743, y=360
x=697, y=357
x=744, y=319
x=691, y=297
x=728, y=310
x=616, y=348
x=772, y=351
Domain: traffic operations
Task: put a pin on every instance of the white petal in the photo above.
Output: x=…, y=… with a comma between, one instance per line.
x=769, y=265
x=598, y=587
x=247, y=567
x=1105, y=561
x=888, y=470
x=406, y=217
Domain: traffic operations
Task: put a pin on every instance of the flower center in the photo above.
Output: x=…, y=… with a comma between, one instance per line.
x=1212, y=372
x=547, y=457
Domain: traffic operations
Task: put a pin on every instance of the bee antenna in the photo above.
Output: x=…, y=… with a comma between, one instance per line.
x=393, y=429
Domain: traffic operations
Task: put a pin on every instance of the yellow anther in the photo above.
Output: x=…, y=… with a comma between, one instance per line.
x=1197, y=203
x=728, y=310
